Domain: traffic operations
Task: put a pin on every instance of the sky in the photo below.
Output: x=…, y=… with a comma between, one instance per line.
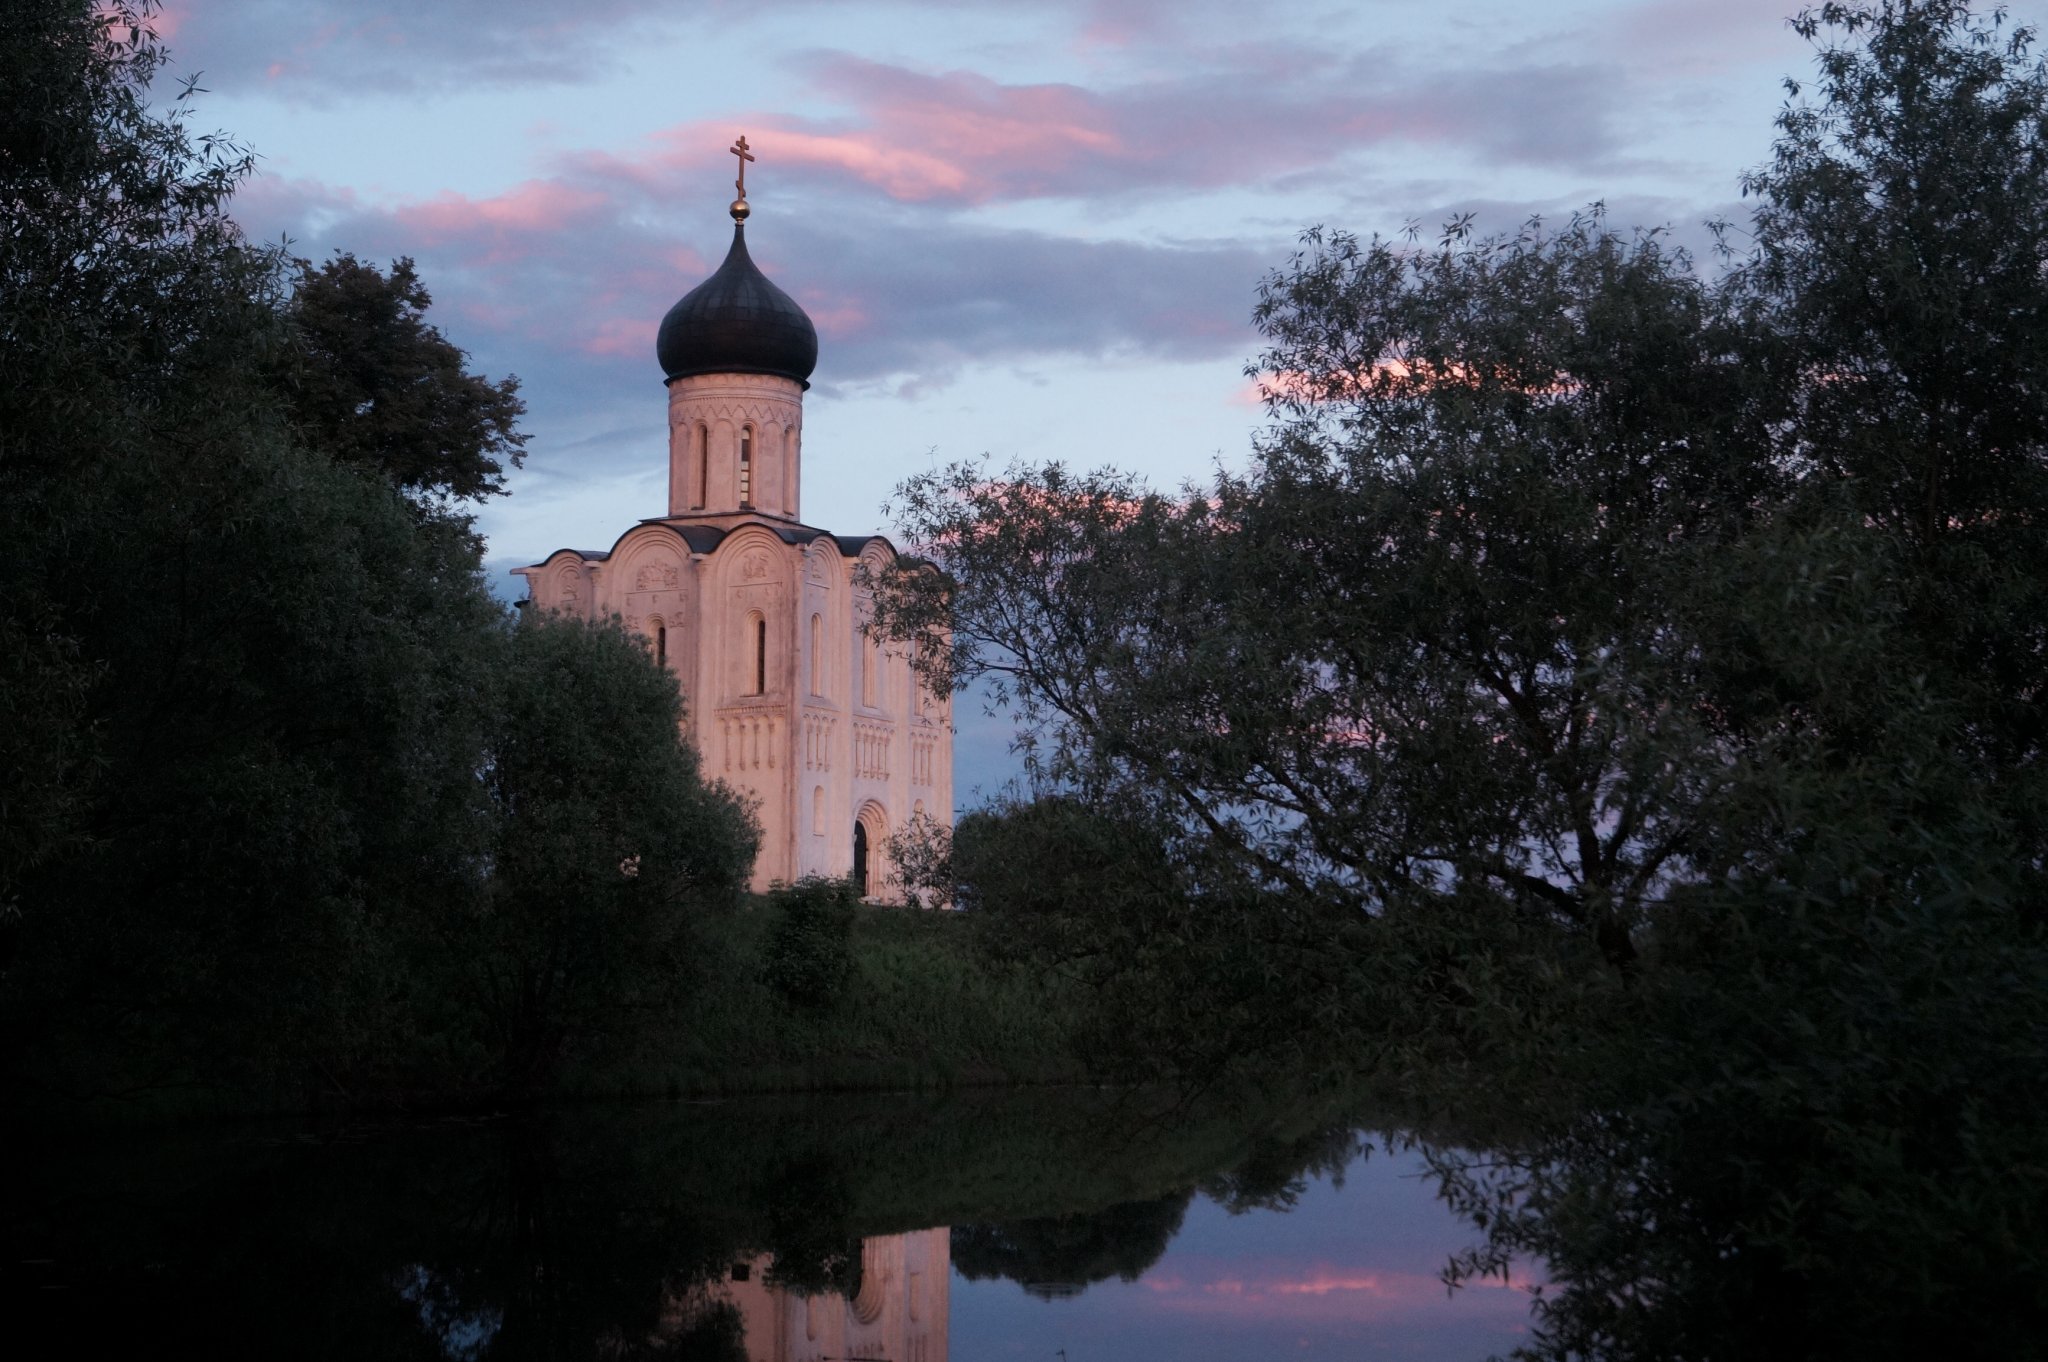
x=1024, y=230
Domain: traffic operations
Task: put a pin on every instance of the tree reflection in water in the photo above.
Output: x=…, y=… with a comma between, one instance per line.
x=795, y=1230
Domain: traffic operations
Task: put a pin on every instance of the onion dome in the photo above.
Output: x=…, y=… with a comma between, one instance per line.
x=737, y=322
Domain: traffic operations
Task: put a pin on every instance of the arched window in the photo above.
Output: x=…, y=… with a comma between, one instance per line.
x=870, y=663
x=661, y=645
x=746, y=466
x=760, y=656
x=818, y=811
x=703, y=465
x=817, y=654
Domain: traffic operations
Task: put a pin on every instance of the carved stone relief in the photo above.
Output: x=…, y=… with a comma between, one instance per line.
x=657, y=576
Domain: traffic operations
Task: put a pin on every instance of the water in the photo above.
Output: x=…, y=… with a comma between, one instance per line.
x=1003, y=1226
x=1351, y=1271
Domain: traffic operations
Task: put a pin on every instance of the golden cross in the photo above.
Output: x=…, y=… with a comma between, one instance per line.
x=739, y=149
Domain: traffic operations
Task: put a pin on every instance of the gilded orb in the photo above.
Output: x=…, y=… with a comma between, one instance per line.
x=739, y=210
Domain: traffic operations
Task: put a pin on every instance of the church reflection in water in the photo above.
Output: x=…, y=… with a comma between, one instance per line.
x=897, y=1313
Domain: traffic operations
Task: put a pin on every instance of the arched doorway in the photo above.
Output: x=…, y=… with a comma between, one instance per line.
x=871, y=851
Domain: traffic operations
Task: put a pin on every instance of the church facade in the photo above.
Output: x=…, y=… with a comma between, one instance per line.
x=758, y=615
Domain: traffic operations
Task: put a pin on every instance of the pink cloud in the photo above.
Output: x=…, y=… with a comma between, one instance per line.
x=901, y=174
x=838, y=318
x=1321, y=1291
x=169, y=19
x=921, y=138
x=1700, y=37
x=535, y=206
x=621, y=336
x=961, y=137
x=1323, y=1284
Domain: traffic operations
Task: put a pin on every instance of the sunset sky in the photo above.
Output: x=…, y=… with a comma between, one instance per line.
x=1022, y=229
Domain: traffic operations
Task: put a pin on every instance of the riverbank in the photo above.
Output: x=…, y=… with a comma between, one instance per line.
x=921, y=1009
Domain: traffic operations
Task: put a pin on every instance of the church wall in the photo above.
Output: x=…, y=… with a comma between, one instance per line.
x=902, y=1312
x=821, y=810
x=839, y=733
x=651, y=583
x=750, y=688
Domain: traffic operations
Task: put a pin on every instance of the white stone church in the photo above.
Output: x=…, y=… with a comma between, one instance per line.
x=757, y=614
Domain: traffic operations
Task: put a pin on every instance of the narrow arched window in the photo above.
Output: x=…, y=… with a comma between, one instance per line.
x=869, y=664
x=818, y=811
x=661, y=645
x=746, y=466
x=703, y=465
x=817, y=654
x=760, y=656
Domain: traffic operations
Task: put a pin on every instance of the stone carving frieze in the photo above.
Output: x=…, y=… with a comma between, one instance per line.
x=659, y=575
x=768, y=413
x=754, y=566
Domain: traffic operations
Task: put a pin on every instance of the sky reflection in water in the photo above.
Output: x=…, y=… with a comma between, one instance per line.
x=1350, y=1272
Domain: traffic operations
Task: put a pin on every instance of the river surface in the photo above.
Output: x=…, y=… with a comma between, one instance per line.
x=1028, y=1226
x=1352, y=1270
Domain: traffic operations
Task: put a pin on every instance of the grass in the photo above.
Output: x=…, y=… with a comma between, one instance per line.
x=922, y=1009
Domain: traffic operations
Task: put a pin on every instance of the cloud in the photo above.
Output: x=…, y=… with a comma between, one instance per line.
x=1211, y=113
x=1321, y=1292
x=321, y=47
x=962, y=138
x=563, y=279
x=1701, y=37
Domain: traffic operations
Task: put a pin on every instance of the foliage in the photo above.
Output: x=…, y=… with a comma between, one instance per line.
x=113, y=217
x=930, y=1011
x=921, y=856
x=1632, y=679
x=809, y=958
x=1169, y=974
x=1414, y=650
x=374, y=385
x=1058, y=1256
x=290, y=779
x=606, y=845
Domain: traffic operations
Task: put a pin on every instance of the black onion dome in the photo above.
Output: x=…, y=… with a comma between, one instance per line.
x=736, y=322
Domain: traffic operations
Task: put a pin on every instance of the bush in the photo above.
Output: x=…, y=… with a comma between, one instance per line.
x=810, y=949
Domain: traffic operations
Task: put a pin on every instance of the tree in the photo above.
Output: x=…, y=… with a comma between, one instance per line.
x=1645, y=670
x=606, y=845
x=1058, y=1256
x=279, y=747
x=374, y=385
x=113, y=220
x=1425, y=644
